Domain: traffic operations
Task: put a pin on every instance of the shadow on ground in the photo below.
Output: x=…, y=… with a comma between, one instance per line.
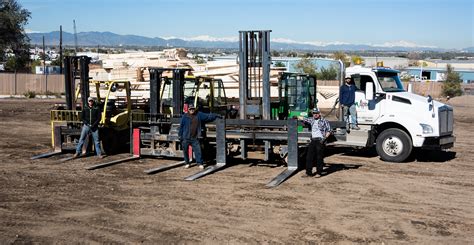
x=433, y=156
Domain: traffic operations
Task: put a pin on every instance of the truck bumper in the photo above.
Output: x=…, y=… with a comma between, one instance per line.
x=436, y=143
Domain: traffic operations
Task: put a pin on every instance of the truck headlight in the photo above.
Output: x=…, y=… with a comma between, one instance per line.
x=427, y=129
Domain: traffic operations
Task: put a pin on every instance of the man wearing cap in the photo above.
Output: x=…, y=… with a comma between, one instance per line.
x=90, y=118
x=190, y=133
x=320, y=131
x=347, y=99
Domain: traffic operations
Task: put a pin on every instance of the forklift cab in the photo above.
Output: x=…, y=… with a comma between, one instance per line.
x=207, y=94
x=296, y=95
x=113, y=97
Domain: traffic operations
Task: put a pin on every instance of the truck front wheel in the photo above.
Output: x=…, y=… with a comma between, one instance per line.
x=394, y=145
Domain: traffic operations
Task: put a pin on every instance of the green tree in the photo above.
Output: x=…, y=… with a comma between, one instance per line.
x=292, y=54
x=279, y=64
x=13, y=38
x=306, y=66
x=452, y=84
x=342, y=56
x=329, y=73
x=275, y=53
x=34, y=64
x=56, y=62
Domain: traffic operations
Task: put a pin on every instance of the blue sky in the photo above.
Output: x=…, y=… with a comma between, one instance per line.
x=435, y=23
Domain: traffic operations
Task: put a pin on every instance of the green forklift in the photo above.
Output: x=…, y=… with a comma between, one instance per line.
x=296, y=96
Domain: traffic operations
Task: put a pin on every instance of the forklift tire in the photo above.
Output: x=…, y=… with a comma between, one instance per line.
x=394, y=145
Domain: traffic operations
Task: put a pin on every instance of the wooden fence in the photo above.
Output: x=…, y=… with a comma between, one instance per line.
x=20, y=83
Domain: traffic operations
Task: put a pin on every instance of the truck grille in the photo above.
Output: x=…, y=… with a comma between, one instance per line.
x=446, y=120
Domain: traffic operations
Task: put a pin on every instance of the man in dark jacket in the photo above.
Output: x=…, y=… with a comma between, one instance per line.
x=190, y=133
x=347, y=99
x=91, y=119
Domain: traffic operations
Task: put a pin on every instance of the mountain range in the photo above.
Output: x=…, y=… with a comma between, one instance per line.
x=109, y=39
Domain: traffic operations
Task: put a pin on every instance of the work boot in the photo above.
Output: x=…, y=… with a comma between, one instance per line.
x=319, y=174
x=101, y=156
x=76, y=155
x=187, y=165
x=306, y=175
x=201, y=166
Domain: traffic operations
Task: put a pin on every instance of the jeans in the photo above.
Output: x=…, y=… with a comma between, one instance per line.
x=95, y=135
x=316, y=147
x=352, y=111
x=196, y=149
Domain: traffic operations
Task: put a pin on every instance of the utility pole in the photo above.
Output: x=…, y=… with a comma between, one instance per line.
x=44, y=66
x=75, y=36
x=60, y=49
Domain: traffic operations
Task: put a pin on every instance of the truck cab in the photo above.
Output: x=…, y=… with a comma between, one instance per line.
x=393, y=119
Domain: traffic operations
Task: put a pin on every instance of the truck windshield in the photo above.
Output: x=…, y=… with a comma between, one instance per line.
x=390, y=82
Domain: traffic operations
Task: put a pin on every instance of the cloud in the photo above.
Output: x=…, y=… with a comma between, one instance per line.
x=31, y=31
x=402, y=43
x=206, y=38
x=314, y=43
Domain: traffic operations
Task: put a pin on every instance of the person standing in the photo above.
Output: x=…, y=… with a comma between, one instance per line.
x=320, y=131
x=347, y=99
x=90, y=118
x=190, y=133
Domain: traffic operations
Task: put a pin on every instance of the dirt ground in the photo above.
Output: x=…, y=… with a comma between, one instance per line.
x=362, y=200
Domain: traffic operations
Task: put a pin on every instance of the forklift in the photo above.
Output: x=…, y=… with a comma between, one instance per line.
x=155, y=132
x=113, y=97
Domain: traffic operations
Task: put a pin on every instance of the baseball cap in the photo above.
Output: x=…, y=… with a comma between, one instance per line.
x=91, y=98
x=315, y=110
x=191, y=106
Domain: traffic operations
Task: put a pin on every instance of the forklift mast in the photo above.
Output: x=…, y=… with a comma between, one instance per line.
x=156, y=77
x=76, y=68
x=254, y=76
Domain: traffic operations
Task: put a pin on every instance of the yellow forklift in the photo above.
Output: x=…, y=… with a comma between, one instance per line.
x=113, y=97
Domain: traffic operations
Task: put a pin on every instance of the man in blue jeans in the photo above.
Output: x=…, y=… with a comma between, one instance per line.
x=347, y=99
x=190, y=133
x=90, y=118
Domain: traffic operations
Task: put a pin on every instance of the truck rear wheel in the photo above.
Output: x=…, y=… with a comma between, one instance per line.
x=394, y=145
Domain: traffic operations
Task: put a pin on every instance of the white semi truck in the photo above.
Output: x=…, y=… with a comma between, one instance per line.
x=395, y=120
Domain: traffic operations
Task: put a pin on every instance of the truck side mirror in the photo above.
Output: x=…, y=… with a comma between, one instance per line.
x=369, y=91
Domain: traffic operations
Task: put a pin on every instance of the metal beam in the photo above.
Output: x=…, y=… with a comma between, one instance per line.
x=292, y=155
x=84, y=75
x=45, y=155
x=103, y=165
x=266, y=61
x=164, y=167
x=207, y=171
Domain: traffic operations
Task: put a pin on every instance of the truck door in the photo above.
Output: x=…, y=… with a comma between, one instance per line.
x=367, y=110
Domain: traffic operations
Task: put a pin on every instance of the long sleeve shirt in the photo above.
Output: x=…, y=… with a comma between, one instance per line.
x=347, y=94
x=319, y=127
x=186, y=124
